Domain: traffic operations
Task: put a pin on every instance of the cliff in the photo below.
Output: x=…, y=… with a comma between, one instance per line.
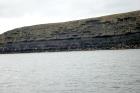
x=119, y=31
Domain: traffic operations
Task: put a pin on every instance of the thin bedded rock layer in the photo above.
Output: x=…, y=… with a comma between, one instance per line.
x=119, y=31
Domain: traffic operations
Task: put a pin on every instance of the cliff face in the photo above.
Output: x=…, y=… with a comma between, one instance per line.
x=119, y=31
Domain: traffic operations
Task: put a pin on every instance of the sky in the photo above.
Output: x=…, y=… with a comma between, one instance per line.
x=19, y=13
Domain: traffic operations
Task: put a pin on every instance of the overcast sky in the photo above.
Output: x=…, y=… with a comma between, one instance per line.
x=18, y=13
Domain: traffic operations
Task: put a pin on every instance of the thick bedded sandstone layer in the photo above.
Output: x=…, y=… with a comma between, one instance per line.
x=119, y=31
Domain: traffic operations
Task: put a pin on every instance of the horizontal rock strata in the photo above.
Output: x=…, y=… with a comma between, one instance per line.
x=119, y=31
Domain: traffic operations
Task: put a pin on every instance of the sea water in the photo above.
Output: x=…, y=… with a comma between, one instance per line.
x=103, y=71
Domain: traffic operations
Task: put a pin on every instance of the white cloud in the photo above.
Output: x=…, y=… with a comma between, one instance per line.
x=17, y=13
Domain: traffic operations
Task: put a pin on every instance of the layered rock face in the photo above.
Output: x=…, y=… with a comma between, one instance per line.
x=119, y=31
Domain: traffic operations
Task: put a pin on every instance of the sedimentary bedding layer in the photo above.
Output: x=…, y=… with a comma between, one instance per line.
x=119, y=31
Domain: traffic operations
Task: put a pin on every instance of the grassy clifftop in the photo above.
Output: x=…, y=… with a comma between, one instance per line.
x=106, y=25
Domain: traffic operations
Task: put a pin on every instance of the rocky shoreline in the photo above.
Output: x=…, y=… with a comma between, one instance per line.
x=120, y=31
